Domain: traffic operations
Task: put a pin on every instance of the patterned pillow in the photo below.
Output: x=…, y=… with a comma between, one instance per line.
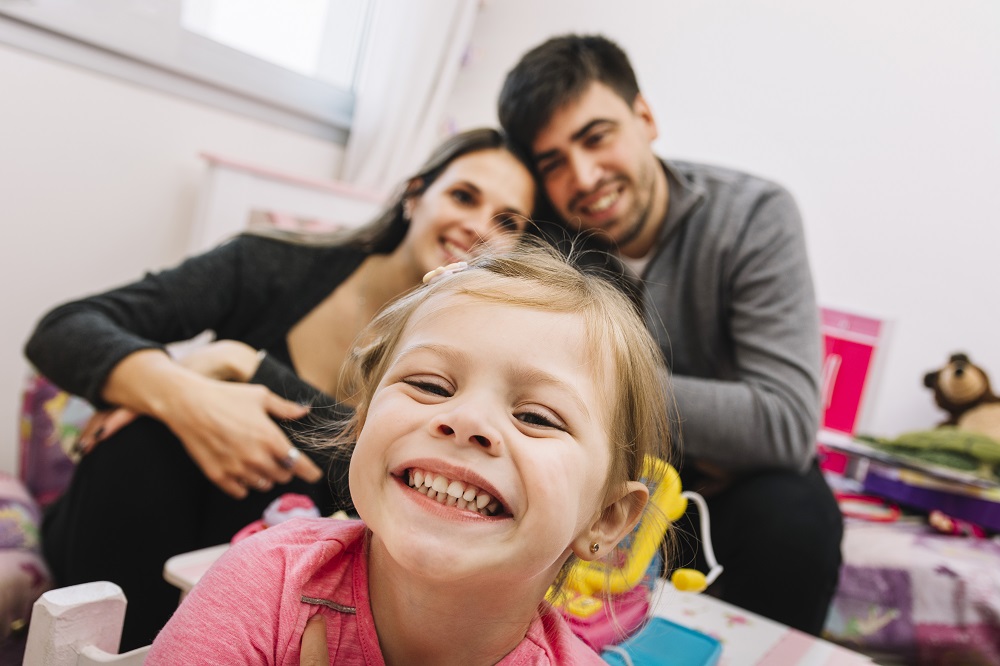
x=23, y=574
x=51, y=420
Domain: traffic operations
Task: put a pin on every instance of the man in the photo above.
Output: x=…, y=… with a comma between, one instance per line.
x=727, y=290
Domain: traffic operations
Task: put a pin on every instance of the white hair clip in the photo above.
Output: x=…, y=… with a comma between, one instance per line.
x=441, y=271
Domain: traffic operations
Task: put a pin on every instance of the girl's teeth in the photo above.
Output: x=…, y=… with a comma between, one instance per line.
x=453, y=493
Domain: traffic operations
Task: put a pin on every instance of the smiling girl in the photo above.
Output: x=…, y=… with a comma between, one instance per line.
x=504, y=414
x=207, y=457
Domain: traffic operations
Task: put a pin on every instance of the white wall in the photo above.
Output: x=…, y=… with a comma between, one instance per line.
x=880, y=117
x=98, y=180
x=883, y=118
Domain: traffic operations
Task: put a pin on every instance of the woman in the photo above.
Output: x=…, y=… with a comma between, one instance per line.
x=211, y=457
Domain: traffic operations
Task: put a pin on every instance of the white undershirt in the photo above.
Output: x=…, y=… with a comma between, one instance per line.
x=638, y=265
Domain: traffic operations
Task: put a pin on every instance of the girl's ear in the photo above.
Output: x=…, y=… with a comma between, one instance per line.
x=612, y=524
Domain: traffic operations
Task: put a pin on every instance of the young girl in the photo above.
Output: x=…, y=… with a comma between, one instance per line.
x=504, y=413
x=286, y=314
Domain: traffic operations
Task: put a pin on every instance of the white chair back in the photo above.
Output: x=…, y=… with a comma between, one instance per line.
x=80, y=625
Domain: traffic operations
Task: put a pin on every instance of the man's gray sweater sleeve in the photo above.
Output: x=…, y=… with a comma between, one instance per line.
x=744, y=343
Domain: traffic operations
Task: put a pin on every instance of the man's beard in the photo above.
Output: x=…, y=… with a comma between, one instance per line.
x=636, y=219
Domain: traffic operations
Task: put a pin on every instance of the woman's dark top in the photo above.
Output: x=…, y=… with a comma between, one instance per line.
x=138, y=498
x=252, y=289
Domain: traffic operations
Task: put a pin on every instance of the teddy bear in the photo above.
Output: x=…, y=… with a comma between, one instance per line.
x=962, y=389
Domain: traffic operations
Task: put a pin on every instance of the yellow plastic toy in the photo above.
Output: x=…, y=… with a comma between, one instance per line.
x=614, y=576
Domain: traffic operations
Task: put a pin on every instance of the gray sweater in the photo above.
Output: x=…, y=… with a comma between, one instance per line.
x=729, y=296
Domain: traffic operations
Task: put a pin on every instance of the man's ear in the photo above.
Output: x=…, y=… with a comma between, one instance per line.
x=642, y=111
x=612, y=524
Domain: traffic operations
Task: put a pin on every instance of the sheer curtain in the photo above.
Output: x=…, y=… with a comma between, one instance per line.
x=414, y=52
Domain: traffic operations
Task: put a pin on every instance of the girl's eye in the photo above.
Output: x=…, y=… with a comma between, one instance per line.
x=540, y=418
x=429, y=386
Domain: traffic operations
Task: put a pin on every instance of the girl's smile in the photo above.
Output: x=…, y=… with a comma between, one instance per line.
x=484, y=446
x=452, y=492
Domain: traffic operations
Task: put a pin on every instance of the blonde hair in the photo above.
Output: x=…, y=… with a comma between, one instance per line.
x=537, y=276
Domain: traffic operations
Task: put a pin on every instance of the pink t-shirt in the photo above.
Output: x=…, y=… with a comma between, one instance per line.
x=252, y=606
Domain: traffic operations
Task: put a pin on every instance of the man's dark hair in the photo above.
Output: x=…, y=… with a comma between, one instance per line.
x=558, y=72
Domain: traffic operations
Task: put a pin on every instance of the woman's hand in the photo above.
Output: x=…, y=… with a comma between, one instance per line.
x=229, y=431
x=102, y=425
x=314, y=651
x=228, y=360
x=226, y=427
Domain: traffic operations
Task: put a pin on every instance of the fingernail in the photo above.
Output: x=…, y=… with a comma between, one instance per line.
x=98, y=434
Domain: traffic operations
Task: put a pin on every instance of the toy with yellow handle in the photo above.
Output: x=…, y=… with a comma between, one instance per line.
x=617, y=577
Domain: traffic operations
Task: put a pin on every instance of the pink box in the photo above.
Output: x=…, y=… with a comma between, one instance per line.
x=850, y=342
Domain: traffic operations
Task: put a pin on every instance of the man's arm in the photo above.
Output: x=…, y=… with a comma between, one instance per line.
x=768, y=416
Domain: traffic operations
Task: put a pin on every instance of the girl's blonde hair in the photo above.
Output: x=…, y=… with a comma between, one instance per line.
x=537, y=276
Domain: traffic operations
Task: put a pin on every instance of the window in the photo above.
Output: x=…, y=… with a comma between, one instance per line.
x=292, y=62
x=317, y=38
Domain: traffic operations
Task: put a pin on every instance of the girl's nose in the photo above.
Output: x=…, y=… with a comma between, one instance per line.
x=481, y=440
x=465, y=425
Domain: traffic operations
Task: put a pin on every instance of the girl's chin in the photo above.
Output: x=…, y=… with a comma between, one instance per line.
x=435, y=561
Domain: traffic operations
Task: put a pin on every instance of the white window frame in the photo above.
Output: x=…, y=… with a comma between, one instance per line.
x=142, y=41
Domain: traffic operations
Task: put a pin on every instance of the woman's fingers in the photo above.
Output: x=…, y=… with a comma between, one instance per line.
x=279, y=460
x=282, y=409
x=93, y=428
x=101, y=426
x=117, y=419
x=230, y=431
x=292, y=459
x=300, y=465
x=232, y=487
x=314, y=649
